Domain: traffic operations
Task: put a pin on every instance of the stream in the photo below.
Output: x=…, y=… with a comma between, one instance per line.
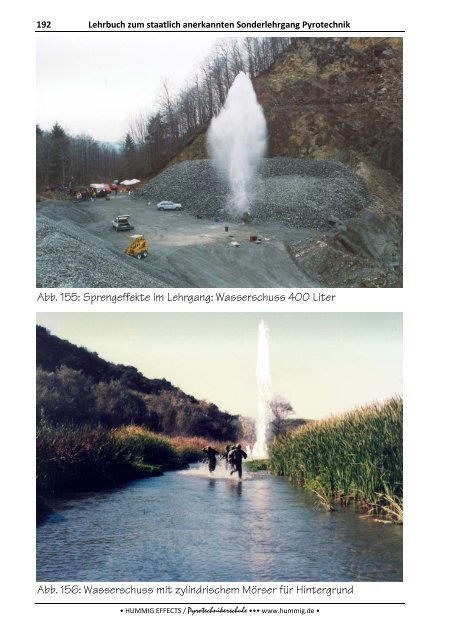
x=188, y=526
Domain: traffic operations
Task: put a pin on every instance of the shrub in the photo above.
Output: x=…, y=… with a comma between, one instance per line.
x=149, y=448
x=115, y=405
x=64, y=395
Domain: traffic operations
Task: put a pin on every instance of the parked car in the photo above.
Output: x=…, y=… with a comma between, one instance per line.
x=121, y=223
x=167, y=205
x=103, y=190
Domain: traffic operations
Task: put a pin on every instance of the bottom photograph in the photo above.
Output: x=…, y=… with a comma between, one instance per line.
x=219, y=447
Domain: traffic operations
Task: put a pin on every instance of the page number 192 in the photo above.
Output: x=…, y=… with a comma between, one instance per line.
x=45, y=24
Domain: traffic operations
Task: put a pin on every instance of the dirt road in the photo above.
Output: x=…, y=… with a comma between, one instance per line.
x=184, y=251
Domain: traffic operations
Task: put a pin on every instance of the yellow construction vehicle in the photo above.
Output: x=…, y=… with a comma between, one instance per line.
x=138, y=248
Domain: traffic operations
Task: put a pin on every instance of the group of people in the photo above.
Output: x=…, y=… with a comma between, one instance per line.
x=89, y=193
x=83, y=194
x=233, y=456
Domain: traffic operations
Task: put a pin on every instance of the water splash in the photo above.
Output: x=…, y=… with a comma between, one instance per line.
x=237, y=141
x=222, y=472
x=264, y=383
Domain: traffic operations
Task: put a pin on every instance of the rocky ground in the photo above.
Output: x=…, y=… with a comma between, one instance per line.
x=77, y=247
x=360, y=252
x=290, y=191
x=365, y=250
x=357, y=209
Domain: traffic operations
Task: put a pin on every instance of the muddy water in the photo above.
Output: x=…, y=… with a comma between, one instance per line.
x=186, y=526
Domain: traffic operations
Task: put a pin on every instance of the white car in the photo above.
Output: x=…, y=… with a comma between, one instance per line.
x=122, y=223
x=167, y=205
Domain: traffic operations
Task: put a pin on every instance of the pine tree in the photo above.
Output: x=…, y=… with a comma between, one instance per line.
x=128, y=146
x=59, y=155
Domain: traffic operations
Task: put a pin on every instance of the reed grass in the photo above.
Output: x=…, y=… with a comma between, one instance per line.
x=191, y=448
x=257, y=465
x=79, y=459
x=73, y=458
x=357, y=455
x=148, y=448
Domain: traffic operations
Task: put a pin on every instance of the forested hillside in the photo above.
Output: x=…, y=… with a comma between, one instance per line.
x=76, y=386
x=322, y=98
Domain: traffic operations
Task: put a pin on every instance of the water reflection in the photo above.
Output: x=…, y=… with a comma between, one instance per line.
x=236, y=488
x=189, y=526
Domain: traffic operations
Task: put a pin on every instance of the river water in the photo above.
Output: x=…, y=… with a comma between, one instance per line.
x=186, y=526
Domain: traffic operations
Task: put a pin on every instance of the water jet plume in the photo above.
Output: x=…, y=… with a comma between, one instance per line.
x=237, y=140
x=264, y=383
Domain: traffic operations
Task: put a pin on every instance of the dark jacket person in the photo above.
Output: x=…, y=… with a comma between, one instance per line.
x=236, y=457
x=211, y=457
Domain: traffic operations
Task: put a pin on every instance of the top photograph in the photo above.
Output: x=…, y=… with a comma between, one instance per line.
x=181, y=160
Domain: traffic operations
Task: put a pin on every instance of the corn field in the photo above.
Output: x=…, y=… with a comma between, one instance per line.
x=357, y=455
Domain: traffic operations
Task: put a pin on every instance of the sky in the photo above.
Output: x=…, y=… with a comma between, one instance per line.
x=96, y=83
x=322, y=363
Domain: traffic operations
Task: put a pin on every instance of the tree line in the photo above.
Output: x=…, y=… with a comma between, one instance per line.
x=63, y=160
x=153, y=138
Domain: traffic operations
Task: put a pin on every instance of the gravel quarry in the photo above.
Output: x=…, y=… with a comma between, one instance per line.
x=291, y=191
x=78, y=247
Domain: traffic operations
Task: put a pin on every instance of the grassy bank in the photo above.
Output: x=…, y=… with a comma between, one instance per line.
x=356, y=456
x=73, y=458
x=257, y=465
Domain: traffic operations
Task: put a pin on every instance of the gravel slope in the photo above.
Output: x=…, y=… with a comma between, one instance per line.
x=294, y=192
x=69, y=256
x=77, y=247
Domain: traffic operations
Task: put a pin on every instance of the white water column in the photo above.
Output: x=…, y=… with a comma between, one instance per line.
x=264, y=383
x=237, y=140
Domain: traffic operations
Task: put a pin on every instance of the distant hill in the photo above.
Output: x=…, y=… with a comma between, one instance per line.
x=53, y=352
x=75, y=385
